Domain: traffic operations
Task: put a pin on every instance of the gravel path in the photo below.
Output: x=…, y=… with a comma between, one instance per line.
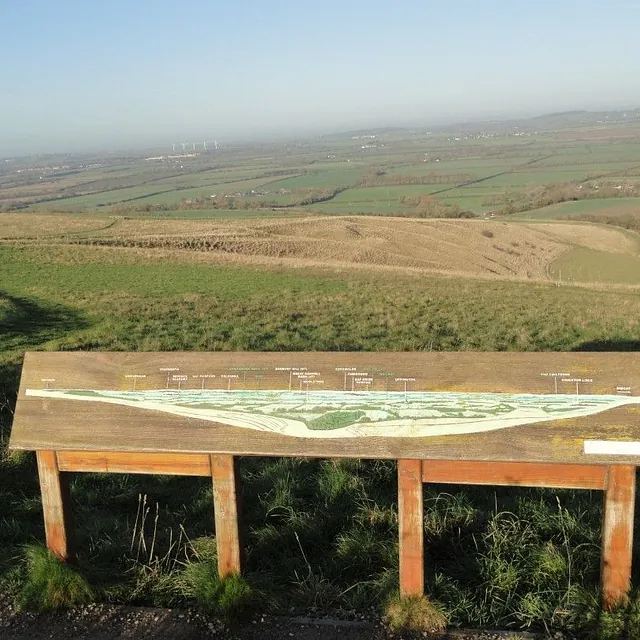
x=100, y=622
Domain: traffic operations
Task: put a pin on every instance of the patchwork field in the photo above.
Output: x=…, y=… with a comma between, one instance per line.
x=500, y=172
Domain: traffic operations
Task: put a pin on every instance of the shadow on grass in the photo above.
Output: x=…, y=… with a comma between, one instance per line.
x=26, y=323
x=609, y=345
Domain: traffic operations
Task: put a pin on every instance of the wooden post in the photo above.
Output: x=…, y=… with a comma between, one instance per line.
x=617, y=534
x=54, y=487
x=411, y=527
x=226, y=513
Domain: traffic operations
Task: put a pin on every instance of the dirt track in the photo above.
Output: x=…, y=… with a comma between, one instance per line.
x=102, y=622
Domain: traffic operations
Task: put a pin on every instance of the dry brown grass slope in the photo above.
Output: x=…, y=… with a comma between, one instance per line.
x=472, y=248
x=22, y=225
x=465, y=247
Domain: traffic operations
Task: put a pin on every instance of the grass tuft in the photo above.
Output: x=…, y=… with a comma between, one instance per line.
x=415, y=613
x=230, y=597
x=51, y=584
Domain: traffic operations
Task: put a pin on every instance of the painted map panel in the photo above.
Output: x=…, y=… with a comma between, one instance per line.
x=474, y=406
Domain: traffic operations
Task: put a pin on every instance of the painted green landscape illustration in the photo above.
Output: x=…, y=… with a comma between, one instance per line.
x=345, y=414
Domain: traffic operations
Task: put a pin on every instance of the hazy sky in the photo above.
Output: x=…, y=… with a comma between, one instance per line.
x=84, y=74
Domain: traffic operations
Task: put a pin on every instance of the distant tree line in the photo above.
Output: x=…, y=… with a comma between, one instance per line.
x=626, y=221
x=430, y=207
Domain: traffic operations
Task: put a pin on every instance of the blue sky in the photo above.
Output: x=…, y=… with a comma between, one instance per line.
x=95, y=75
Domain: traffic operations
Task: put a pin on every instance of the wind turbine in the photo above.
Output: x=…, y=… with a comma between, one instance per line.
x=173, y=144
x=204, y=145
x=184, y=146
x=194, y=145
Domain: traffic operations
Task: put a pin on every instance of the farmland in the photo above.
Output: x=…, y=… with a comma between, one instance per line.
x=163, y=265
x=496, y=170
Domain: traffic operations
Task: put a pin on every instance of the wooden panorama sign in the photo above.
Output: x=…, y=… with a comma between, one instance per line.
x=535, y=407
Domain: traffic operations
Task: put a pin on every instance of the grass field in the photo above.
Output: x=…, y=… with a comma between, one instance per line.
x=589, y=265
x=320, y=179
x=38, y=273
x=606, y=206
x=495, y=557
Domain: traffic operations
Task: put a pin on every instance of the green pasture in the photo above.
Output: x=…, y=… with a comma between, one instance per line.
x=105, y=198
x=532, y=177
x=319, y=180
x=604, y=206
x=558, y=163
x=49, y=272
x=589, y=265
x=175, y=197
x=473, y=166
x=477, y=189
x=393, y=193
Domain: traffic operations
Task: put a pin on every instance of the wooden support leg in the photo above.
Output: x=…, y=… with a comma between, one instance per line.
x=54, y=487
x=226, y=513
x=410, y=524
x=617, y=534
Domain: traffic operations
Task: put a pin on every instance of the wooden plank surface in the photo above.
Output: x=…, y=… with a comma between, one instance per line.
x=56, y=506
x=411, y=527
x=440, y=406
x=179, y=464
x=523, y=474
x=227, y=515
x=617, y=534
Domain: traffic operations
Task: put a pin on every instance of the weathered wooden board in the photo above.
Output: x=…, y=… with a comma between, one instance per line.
x=536, y=407
x=617, y=535
x=411, y=527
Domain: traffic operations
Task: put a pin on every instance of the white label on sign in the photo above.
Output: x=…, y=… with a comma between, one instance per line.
x=611, y=448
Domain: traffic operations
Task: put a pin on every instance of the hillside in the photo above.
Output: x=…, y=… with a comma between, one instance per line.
x=468, y=248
